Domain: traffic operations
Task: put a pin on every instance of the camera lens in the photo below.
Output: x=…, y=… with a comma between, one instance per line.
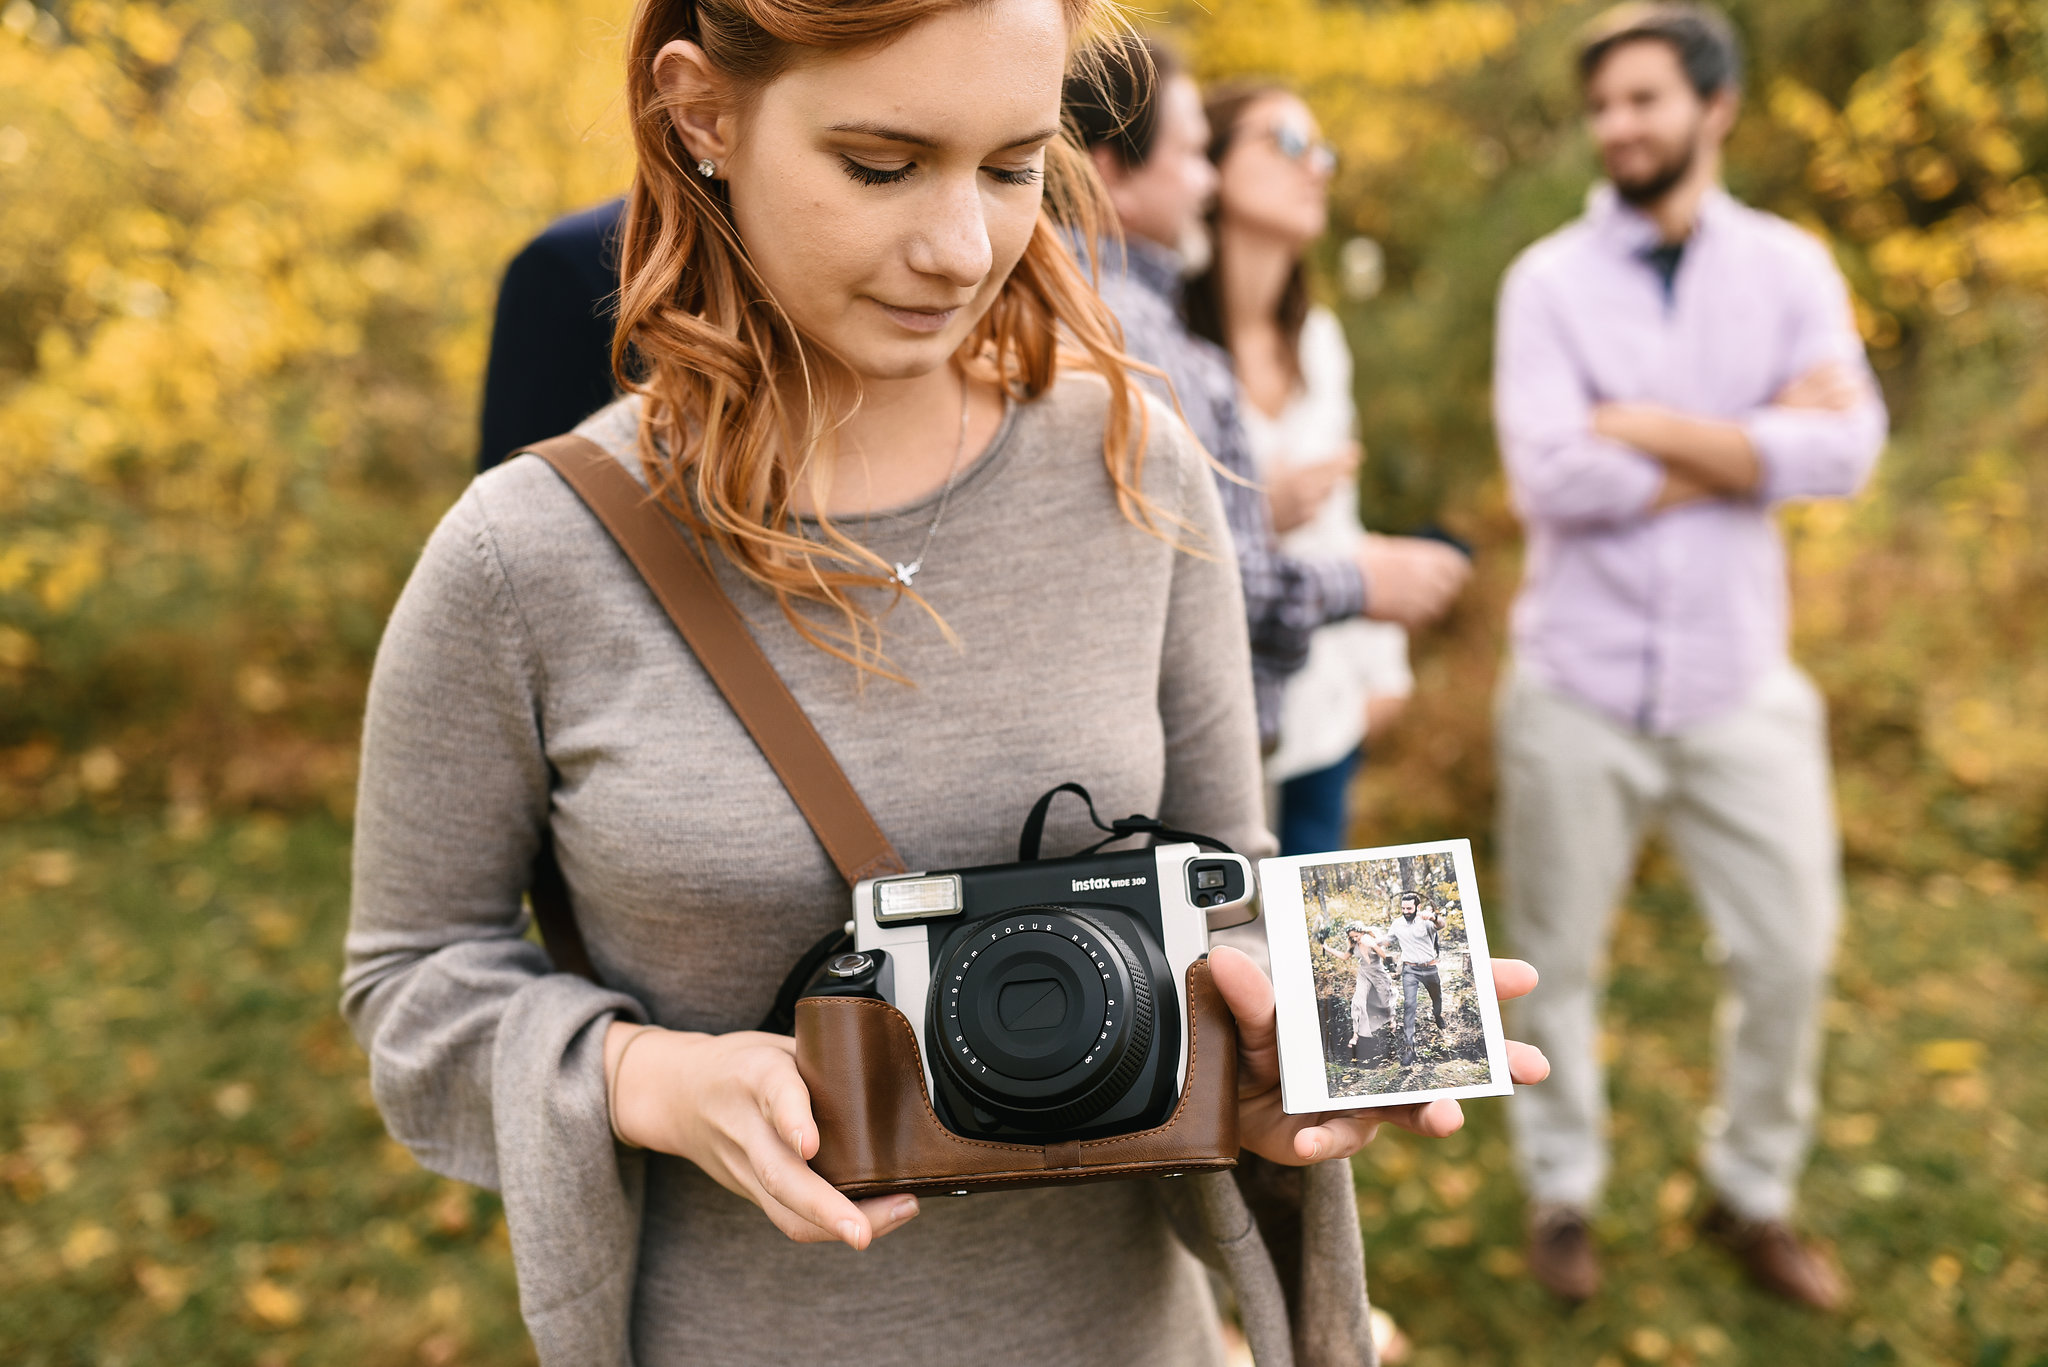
x=1042, y=1016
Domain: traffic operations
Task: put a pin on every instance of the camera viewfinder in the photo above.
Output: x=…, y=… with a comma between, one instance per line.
x=1213, y=882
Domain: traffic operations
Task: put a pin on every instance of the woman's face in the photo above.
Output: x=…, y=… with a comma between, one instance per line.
x=885, y=194
x=1275, y=173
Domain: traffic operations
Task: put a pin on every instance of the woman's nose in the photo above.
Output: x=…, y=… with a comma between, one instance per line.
x=953, y=240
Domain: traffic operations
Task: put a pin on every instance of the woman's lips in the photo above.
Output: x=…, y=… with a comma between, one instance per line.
x=918, y=320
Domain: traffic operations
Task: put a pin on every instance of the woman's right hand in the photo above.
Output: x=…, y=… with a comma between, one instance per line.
x=1296, y=492
x=736, y=1107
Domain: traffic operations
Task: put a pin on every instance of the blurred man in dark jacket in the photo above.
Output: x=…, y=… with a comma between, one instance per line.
x=551, y=345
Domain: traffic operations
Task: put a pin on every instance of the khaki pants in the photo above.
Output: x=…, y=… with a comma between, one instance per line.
x=1745, y=803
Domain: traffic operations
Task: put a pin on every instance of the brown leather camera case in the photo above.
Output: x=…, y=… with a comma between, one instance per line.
x=877, y=1132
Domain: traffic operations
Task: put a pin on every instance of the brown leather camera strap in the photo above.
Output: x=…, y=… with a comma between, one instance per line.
x=671, y=562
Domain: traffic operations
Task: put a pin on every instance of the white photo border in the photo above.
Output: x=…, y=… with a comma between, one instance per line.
x=1304, y=1081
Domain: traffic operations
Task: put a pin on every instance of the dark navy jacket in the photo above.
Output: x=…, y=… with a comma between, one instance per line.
x=551, y=346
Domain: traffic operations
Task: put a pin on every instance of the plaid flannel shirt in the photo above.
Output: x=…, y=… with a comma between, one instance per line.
x=1286, y=597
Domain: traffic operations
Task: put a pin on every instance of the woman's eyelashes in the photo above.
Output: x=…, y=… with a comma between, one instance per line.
x=876, y=175
x=893, y=175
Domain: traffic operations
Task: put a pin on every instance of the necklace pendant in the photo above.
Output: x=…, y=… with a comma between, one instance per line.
x=905, y=573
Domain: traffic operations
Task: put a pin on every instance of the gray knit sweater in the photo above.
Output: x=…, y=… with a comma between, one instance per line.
x=528, y=680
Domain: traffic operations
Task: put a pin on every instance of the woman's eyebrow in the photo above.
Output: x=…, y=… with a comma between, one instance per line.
x=887, y=134
x=1031, y=139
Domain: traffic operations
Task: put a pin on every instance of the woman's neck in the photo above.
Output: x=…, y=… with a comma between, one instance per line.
x=901, y=444
x=1253, y=267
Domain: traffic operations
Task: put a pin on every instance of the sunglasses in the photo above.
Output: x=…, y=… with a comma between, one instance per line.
x=1293, y=142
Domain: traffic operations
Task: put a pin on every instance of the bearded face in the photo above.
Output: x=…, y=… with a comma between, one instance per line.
x=1647, y=172
x=1648, y=122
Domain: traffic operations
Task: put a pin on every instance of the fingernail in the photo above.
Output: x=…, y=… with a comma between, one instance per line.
x=904, y=1209
x=850, y=1232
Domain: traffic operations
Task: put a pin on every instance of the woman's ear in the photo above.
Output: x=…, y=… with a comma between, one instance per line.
x=697, y=96
x=1116, y=179
x=1108, y=165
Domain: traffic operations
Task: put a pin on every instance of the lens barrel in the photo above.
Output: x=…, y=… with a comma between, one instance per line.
x=1042, y=1016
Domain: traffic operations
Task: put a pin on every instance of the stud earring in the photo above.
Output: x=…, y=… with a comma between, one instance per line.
x=706, y=167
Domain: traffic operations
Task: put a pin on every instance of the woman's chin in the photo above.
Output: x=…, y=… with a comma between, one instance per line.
x=899, y=358
x=1295, y=233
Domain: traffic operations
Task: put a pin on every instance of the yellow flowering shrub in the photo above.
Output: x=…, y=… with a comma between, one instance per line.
x=246, y=304
x=248, y=256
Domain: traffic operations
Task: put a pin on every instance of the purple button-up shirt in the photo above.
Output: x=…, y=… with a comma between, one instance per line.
x=1666, y=619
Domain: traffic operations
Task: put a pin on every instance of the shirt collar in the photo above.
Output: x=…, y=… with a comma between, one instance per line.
x=1634, y=232
x=1155, y=268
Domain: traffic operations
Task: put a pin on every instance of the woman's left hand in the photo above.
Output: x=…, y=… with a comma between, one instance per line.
x=1266, y=1130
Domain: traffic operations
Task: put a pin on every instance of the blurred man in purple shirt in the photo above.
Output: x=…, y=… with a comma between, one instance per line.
x=1669, y=368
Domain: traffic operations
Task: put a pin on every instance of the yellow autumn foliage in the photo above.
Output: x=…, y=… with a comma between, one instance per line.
x=248, y=255
x=243, y=314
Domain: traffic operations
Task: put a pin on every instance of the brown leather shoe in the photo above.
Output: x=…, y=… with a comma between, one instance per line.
x=1775, y=1258
x=1561, y=1253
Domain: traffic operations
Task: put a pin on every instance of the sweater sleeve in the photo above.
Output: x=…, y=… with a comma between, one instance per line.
x=484, y=1062
x=1284, y=597
x=1205, y=678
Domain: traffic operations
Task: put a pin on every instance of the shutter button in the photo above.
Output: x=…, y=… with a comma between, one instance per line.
x=850, y=965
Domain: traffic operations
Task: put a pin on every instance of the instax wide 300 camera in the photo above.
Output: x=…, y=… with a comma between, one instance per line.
x=1018, y=1024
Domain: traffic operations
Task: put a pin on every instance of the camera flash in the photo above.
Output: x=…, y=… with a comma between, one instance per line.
x=917, y=899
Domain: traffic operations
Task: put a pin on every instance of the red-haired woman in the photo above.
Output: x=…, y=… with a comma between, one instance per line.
x=982, y=565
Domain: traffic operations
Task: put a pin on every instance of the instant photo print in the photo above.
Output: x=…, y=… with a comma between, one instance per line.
x=1382, y=978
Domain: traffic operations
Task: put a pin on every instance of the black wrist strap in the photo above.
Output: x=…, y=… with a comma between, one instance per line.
x=781, y=1017
x=1034, y=827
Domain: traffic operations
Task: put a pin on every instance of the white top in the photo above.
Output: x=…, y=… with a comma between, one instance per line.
x=1322, y=715
x=1416, y=938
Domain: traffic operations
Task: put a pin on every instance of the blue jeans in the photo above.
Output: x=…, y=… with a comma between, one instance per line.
x=1413, y=977
x=1314, y=815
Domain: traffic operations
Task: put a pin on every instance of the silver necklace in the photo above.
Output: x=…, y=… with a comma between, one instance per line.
x=905, y=573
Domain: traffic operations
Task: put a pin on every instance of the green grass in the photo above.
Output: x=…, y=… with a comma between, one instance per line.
x=1927, y=1180
x=191, y=1172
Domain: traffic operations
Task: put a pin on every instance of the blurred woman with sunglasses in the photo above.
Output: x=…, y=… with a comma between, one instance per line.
x=1272, y=202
